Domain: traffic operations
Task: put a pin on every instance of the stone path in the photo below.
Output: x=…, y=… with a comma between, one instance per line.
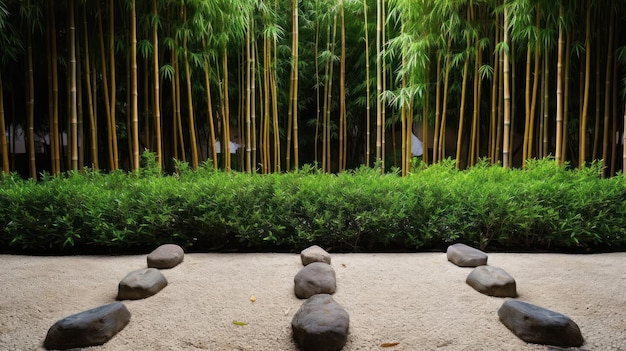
x=321, y=324
x=100, y=324
x=532, y=324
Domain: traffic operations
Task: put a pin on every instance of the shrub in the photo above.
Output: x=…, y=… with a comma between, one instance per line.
x=544, y=207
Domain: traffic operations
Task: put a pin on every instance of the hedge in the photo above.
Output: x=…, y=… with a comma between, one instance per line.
x=545, y=207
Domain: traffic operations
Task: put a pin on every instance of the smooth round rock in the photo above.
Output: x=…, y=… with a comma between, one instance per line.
x=492, y=281
x=321, y=324
x=315, y=278
x=166, y=256
x=314, y=254
x=466, y=256
x=140, y=284
x=89, y=328
x=538, y=325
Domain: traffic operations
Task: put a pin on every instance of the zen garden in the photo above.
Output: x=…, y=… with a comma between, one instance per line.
x=194, y=130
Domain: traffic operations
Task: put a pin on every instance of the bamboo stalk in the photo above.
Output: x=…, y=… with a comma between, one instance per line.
x=558, y=155
x=367, y=89
x=507, y=97
x=113, y=101
x=4, y=149
x=133, y=85
x=583, y=119
x=607, y=88
x=157, y=94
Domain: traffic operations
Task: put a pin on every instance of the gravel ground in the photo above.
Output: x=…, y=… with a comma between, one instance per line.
x=418, y=300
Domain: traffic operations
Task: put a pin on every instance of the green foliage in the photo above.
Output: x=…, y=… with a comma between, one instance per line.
x=545, y=207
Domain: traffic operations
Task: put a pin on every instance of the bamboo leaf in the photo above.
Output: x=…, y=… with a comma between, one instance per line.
x=503, y=48
x=145, y=48
x=484, y=43
x=486, y=71
x=389, y=344
x=621, y=55
x=167, y=71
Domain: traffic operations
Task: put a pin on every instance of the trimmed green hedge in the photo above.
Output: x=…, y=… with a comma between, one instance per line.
x=542, y=208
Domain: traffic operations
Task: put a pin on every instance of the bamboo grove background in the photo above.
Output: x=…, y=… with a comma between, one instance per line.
x=337, y=82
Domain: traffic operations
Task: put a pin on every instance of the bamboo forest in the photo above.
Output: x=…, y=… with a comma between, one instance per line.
x=268, y=86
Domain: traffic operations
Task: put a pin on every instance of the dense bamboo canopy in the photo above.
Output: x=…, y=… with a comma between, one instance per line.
x=267, y=86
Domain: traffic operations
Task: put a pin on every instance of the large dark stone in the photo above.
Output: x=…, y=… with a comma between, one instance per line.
x=314, y=254
x=166, y=256
x=492, y=281
x=537, y=325
x=466, y=256
x=321, y=324
x=89, y=328
x=315, y=278
x=141, y=284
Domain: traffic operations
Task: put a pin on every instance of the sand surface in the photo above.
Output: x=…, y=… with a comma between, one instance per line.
x=419, y=300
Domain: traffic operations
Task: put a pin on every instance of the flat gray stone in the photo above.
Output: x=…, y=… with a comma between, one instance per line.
x=466, y=256
x=314, y=254
x=140, y=284
x=166, y=256
x=492, y=281
x=89, y=328
x=315, y=278
x=537, y=325
x=321, y=324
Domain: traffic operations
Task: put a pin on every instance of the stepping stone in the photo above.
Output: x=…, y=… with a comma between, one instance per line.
x=141, y=284
x=537, y=325
x=492, y=281
x=466, y=256
x=89, y=328
x=314, y=254
x=321, y=324
x=166, y=256
x=315, y=278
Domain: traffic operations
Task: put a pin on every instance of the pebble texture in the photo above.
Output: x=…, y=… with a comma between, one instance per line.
x=89, y=328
